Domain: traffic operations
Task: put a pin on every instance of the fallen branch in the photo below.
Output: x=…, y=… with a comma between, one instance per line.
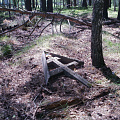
x=31, y=17
x=46, y=26
x=35, y=26
x=48, y=15
x=62, y=103
x=111, y=21
x=48, y=108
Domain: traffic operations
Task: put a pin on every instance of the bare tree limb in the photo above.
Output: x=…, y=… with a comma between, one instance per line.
x=35, y=26
x=61, y=25
x=46, y=26
x=31, y=17
x=48, y=15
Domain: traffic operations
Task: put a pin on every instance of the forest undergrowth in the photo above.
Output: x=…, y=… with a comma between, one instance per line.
x=23, y=95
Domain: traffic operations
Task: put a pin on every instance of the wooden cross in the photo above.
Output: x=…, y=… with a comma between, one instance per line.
x=54, y=64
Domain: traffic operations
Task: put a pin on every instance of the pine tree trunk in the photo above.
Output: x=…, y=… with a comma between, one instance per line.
x=43, y=5
x=84, y=4
x=74, y=2
x=14, y=3
x=114, y=3
x=49, y=6
x=63, y=3
x=96, y=37
x=68, y=4
x=28, y=5
x=89, y=2
x=105, y=9
x=109, y=3
x=118, y=17
x=33, y=3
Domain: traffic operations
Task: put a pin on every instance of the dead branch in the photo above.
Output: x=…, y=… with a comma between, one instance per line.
x=62, y=103
x=46, y=26
x=48, y=15
x=31, y=17
x=35, y=26
x=48, y=108
x=61, y=25
x=70, y=33
x=111, y=21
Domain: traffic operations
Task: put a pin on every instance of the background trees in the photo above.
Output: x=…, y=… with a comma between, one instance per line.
x=43, y=5
x=118, y=17
x=84, y=4
x=28, y=5
x=68, y=3
x=105, y=9
x=49, y=6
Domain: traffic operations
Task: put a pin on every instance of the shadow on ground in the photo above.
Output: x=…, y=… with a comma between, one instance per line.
x=107, y=72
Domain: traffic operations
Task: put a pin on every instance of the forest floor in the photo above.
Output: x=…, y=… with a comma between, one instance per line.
x=23, y=95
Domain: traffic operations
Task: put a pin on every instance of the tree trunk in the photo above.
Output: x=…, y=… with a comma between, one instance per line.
x=36, y=4
x=28, y=5
x=9, y=2
x=68, y=4
x=96, y=37
x=90, y=2
x=109, y=3
x=105, y=9
x=33, y=3
x=74, y=2
x=43, y=5
x=49, y=6
x=63, y=3
x=118, y=17
x=14, y=3
x=114, y=3
x=84, y=4
x=18, y=4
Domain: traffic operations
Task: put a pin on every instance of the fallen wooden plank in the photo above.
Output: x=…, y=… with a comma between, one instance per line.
x=45, y=68
x=56, y=71
x=60, y=69
x=56, y=105
x=62, y=103
x=64, y=60
x=71, y=73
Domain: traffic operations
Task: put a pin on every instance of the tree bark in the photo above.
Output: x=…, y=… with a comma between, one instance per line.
x=84, y=4
x=33, y=3
x=74, y=2
x=68, y=4
x=118, y=17
x=63, y=3
x=14, y=3
x=90, y=2
x=96, y=37
x=114, y=3
x=105, y=9
x=109, y=3
x=28, y=5
x=43, y=5
x=49, y=6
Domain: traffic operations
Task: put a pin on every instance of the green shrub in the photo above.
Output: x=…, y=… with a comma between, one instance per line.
x=6, y=50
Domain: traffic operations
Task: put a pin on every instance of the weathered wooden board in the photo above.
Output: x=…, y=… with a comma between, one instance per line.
x=60, y=69
x=45, y=68
x=61, y=64
x=72, y=73
x=65, y=60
